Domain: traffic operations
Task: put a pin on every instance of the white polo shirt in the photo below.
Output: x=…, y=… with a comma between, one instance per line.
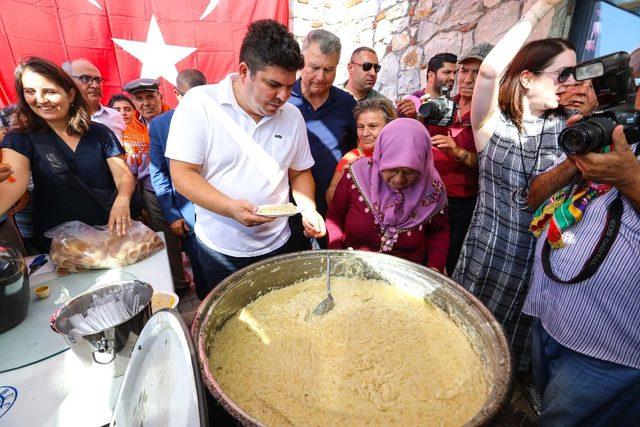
x=111, y=119
x=256, y=170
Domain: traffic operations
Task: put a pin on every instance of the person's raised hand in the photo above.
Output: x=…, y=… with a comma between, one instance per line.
x=619, y=167
x=406, y=108
x=552, y=3
x=244, y=212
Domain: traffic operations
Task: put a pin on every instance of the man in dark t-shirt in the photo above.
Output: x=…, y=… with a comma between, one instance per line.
x=327, y=111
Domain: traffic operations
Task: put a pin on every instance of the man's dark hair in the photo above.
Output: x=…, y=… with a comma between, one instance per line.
x=190, y=78
x=437, y=61
x=357, y=52
x=268, y=42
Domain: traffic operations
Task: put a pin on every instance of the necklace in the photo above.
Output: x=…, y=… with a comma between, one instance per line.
x=520, y=195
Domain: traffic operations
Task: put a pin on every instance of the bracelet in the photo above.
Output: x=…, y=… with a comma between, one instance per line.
x=463, y=157
x=534, y=11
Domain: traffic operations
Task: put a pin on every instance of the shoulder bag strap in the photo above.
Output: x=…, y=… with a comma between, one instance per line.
x=56, y=164
x=262, y=161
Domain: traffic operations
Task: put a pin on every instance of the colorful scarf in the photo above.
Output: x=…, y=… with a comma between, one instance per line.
x=564, y=209
x=403, y=143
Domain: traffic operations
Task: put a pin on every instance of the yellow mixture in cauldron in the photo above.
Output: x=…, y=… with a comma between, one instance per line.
x=381, y=356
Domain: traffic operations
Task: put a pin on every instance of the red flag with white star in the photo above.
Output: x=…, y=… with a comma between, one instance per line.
x=128, y=39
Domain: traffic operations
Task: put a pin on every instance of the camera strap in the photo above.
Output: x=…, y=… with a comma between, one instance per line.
x=600, y=252
x=607, y=237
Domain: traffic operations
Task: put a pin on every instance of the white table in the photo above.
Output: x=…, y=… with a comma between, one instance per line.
x=60, y=390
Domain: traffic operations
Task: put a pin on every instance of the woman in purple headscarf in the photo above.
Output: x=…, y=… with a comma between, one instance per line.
x=393, y=202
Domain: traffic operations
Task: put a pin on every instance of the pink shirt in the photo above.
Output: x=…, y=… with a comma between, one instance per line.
x=350, y=224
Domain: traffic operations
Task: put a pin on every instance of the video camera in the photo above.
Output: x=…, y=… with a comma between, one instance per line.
x=439, y=111
x=613, y=83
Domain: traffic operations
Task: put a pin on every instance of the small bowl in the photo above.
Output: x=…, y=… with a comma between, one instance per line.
x=42, y=292
x=163, y=299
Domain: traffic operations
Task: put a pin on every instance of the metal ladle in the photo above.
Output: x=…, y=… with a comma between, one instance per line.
x=327, y=304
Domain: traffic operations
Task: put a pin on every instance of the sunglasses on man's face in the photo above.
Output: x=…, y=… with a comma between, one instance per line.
x=367, y=66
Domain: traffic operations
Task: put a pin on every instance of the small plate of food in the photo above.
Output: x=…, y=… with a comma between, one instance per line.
x=278, y=210
x=163, y=299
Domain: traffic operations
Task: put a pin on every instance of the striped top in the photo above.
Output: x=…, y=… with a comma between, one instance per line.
x=497, y=256
x=599, y=317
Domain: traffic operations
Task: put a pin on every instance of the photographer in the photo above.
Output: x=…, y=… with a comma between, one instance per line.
x=441, y=71
x=585, y=355
x=585, y=294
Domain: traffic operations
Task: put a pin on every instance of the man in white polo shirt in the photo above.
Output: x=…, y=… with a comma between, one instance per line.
x=238, y=144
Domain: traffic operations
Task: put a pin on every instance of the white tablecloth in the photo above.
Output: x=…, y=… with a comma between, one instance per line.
x=60, y=390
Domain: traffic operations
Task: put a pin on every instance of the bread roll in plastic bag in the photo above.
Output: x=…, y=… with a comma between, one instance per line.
x=77, y=246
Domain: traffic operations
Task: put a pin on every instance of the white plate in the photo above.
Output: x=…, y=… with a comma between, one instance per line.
x=277, y=215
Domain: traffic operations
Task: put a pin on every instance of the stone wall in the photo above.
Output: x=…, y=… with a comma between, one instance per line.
x=406, y=33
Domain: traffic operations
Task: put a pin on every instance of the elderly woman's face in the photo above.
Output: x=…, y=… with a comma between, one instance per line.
x=400, y=178
x=369, y=126
x=47, y=99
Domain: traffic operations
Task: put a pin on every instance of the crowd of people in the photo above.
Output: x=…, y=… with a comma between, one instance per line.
x=473, y=197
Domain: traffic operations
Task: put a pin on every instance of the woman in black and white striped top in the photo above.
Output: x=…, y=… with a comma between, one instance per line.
x=515, y=122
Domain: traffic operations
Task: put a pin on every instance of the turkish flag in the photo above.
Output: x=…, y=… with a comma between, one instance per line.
x=128, y=39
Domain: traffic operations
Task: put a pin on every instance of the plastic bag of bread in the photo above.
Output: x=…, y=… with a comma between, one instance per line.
x=77, y=246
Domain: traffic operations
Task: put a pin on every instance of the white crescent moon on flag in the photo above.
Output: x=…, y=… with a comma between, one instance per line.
x=95, y=3
x=212, y=5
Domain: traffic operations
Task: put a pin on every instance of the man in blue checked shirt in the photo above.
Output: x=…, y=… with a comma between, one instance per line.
x=586, y=336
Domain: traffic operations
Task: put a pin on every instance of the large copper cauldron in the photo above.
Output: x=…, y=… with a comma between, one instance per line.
x=241, y=288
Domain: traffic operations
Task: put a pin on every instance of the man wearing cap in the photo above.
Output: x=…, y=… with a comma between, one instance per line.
x=363, y=69
x=90, y=81
x=454, y=150
x=238, y=144
x=146, y=97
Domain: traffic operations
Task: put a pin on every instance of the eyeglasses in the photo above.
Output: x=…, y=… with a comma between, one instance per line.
x=86, y=80
x=366, y=66
x=563, y=75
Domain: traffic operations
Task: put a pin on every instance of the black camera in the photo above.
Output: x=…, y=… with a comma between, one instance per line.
x=439, y=111
x=613, y=83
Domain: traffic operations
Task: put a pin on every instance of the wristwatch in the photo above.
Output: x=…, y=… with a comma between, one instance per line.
x=463, y=157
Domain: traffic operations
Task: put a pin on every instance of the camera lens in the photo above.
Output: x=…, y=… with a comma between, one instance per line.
x=431, y=110
x=575, y=140
x=587, y=136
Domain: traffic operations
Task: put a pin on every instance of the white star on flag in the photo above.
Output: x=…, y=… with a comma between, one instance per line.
x=158, y=58
x=95, y=3
x=212, y=5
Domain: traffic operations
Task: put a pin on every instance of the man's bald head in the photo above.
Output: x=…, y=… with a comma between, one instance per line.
x=88, y=78
x=188, y=79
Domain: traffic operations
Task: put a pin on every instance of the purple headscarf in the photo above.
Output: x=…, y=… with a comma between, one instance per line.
x=403, y=143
